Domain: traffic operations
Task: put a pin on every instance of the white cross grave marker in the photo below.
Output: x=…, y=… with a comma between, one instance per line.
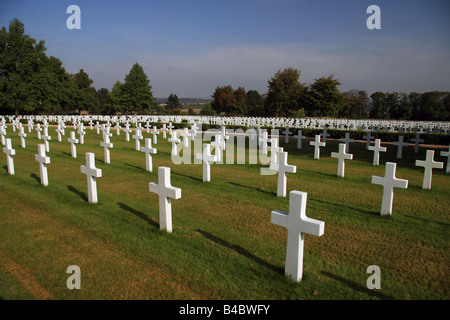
x=174, y=141
x=38, y=131
x=73, y=141
x=207, y=159
x=377, y=148
x=417, y=140
x=283, y=168
x=81, y=132
x=155, y=133
x=297, y=224
x=22, y=136
x=346, y=141
x=400, y=144
x=46, y=138
x=127, y=132
x=341, y=156
x=106, y=144
x=148, y=154
x=389, y=182
x=185, y=134
x=137, y=136
x=9, y=151
x=317, y=144
x=286, y=135
x=447, y=154
x=92, y=174
x=43, y=162
x=368, y=138
x=299, y=138
x=165, y=192
x=429, y=164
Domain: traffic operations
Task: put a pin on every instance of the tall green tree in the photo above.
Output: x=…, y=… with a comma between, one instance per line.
x=224, y=100
x=284, y=94
x=85, y=99
x=241, y=102
x=21, y=58
x=173, y=103
x=136, y=92
x=355, y=104
x=323, y=98
x=104, y=101
x=377, y=109
x=255, y=104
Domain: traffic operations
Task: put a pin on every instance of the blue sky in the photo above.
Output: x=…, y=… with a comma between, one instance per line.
x=190, y=47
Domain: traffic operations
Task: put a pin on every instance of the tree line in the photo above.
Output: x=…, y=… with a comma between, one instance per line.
x=33, y=83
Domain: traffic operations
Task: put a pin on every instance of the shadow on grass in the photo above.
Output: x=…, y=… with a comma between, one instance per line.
x=35, y=177
x=240, y=251
x=82, y=195
x=374, y=213
x=139, y=214
x=254, y=188
x=358, y=287
x=133, y=166
x=185, y=175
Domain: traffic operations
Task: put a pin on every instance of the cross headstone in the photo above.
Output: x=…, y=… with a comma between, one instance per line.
x=106, y=144
x=46, y=138
x=286, y=134
x=73, y=141
x=368, y=138
x=127, y=132
x=170, y=127
x=148, y=150
x=155, y=134
x=377, y=148
x=274, y=151
x=417, y=140
x=43, y=162
x=165, y=192
x=81, y=132
x=389, y=182
x=429, y=164
x=299, y=138
x=400, y=144
x=324, y=135
x=2, y=134
x=137, y=137
x=346, y=141
x=38, y=131
x=9, y=151
x=341, y=156
x=92, y=174
x=317, y=144
x=185, y=134
x=207, y=159
x=117, y=128
x=174, y=141
x=297, y=224
x=447, y=154
x=219, y=146
x=164, y=130
x=59, y=132
x=283, y=168
x=22, y=136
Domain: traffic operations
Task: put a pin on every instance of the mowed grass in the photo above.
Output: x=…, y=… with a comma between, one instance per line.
x=223, y=245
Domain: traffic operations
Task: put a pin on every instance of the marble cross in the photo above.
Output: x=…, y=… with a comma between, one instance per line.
x=165, y=192
x=148, y=150
x=389, y=182
x=377, y=148
x=341, y=156
x=9, y=151
x=317, y=144
x=92, y=174
x=43, y=162
x=429, y=164
x=297, y=224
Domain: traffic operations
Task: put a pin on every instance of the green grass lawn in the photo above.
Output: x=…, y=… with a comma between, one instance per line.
x=223, y=245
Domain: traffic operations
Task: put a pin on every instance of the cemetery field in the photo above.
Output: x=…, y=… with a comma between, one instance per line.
x=223, y=244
